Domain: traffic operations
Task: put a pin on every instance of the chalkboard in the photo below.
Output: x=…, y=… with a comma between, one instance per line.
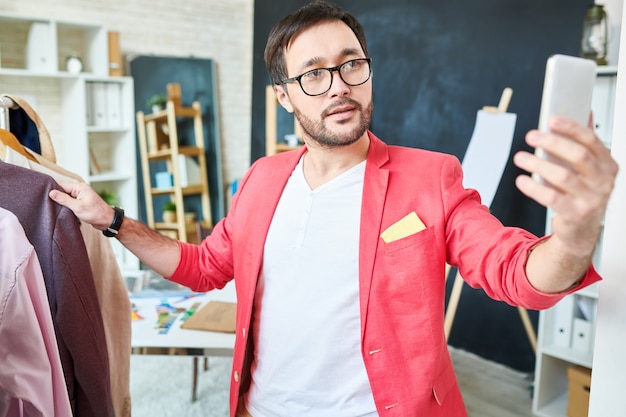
x=197, y=79
x=435, y=63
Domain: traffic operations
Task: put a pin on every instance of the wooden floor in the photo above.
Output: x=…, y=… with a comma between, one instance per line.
x=490, y=389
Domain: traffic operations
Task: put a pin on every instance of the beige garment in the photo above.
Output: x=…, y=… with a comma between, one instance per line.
x=116, y=314
x=113, y=297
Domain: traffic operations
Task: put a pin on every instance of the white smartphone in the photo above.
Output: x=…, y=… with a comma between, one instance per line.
x=567, y=90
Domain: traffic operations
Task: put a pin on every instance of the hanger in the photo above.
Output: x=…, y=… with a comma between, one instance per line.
x=8, y=139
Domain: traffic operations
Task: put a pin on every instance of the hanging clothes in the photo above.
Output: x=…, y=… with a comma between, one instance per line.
x=112, y=292
x=54, y=232
x=110, y=284
x=31, y=382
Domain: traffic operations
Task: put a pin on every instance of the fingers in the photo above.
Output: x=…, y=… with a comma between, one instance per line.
x=59, y=197
x=583, y=205
x=578, y=159
x=579, y=175
x=65, y=199
x=576, y=134
x=85, y=203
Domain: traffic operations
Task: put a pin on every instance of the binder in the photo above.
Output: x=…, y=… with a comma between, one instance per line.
x=581, y=335
x=40, y=48
x=113, y=107
x=563, y=317
x=89, y=104
x=99, y=109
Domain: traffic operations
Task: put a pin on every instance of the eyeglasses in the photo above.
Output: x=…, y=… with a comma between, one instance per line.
x=318, y=81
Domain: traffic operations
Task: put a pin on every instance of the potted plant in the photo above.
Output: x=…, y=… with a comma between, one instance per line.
x=109, y=197
x=156, y=102
x=169, y=212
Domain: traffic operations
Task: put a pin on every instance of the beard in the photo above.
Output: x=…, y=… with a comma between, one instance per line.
x=323, y=136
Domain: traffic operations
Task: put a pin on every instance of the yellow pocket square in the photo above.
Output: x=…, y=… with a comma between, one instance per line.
x=406, y=226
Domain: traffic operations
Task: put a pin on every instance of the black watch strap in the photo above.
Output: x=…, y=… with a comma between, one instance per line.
x=114, y=228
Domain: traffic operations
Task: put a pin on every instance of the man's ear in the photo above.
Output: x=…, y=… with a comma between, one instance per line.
x=283, y=97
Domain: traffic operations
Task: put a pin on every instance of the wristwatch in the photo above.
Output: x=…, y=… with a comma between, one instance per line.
x=114, y=228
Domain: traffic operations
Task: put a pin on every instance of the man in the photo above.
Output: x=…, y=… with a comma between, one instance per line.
x=339, y=249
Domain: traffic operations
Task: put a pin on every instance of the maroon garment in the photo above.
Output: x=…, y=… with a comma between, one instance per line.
x=54, y=232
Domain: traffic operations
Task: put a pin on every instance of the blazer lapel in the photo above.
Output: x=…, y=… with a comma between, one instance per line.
x=259, y=217
x=374, y=196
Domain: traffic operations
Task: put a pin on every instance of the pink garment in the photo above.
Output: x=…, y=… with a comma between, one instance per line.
x=31, y=376
x=401, y=281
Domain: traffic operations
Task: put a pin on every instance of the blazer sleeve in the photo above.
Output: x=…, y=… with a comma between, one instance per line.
x=488, y=254
x=210, y=265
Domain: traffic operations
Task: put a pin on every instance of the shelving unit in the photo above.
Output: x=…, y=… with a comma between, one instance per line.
x=36, y=46
x=101, y=149
x=566, y=331
x=272, y=144
x=162, y=154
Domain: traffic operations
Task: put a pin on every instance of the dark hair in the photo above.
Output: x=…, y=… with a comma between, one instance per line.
x=311, y=14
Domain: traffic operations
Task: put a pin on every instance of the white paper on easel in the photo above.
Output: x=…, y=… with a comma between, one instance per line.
x=487, y=153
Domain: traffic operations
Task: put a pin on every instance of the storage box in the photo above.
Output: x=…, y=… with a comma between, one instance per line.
x=578, y=393
x=164, y=180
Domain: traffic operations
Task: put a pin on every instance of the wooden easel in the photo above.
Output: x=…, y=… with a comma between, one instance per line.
x=457, y=286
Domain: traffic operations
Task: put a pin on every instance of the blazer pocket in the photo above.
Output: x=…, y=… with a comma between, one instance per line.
x=406, y=226
x=423, y=237
x=445, y=382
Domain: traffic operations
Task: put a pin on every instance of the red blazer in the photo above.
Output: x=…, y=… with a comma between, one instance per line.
x=402, y=285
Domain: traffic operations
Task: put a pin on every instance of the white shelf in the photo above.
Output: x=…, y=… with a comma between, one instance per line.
x=110, y=176
x=569, y=355
x=606, y=70
x=554, y=354
x=41, y=46
x=32, y=59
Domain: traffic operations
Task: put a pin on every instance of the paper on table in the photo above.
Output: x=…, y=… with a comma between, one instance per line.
x=216, y=316
x=488, y=152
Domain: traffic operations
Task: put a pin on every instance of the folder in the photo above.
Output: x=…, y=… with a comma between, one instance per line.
x=216, y=316
x=99, y=104
x=113, y=99
x=563, y=317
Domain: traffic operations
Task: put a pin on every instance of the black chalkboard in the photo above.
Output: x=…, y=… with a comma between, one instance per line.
x=197, y=79
x=435, y=63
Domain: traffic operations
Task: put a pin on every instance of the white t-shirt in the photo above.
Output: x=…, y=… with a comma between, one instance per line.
x=307, y=326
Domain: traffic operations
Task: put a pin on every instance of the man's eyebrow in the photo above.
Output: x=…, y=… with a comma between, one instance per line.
x=316, y=60
x=311, y=62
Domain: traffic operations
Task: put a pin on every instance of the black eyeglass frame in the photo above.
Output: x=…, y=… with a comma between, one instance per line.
x=337, y=68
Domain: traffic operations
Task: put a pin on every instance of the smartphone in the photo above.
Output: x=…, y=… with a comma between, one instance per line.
x=567, y=90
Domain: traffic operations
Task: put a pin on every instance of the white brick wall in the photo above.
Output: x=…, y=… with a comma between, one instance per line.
x=218, y=29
